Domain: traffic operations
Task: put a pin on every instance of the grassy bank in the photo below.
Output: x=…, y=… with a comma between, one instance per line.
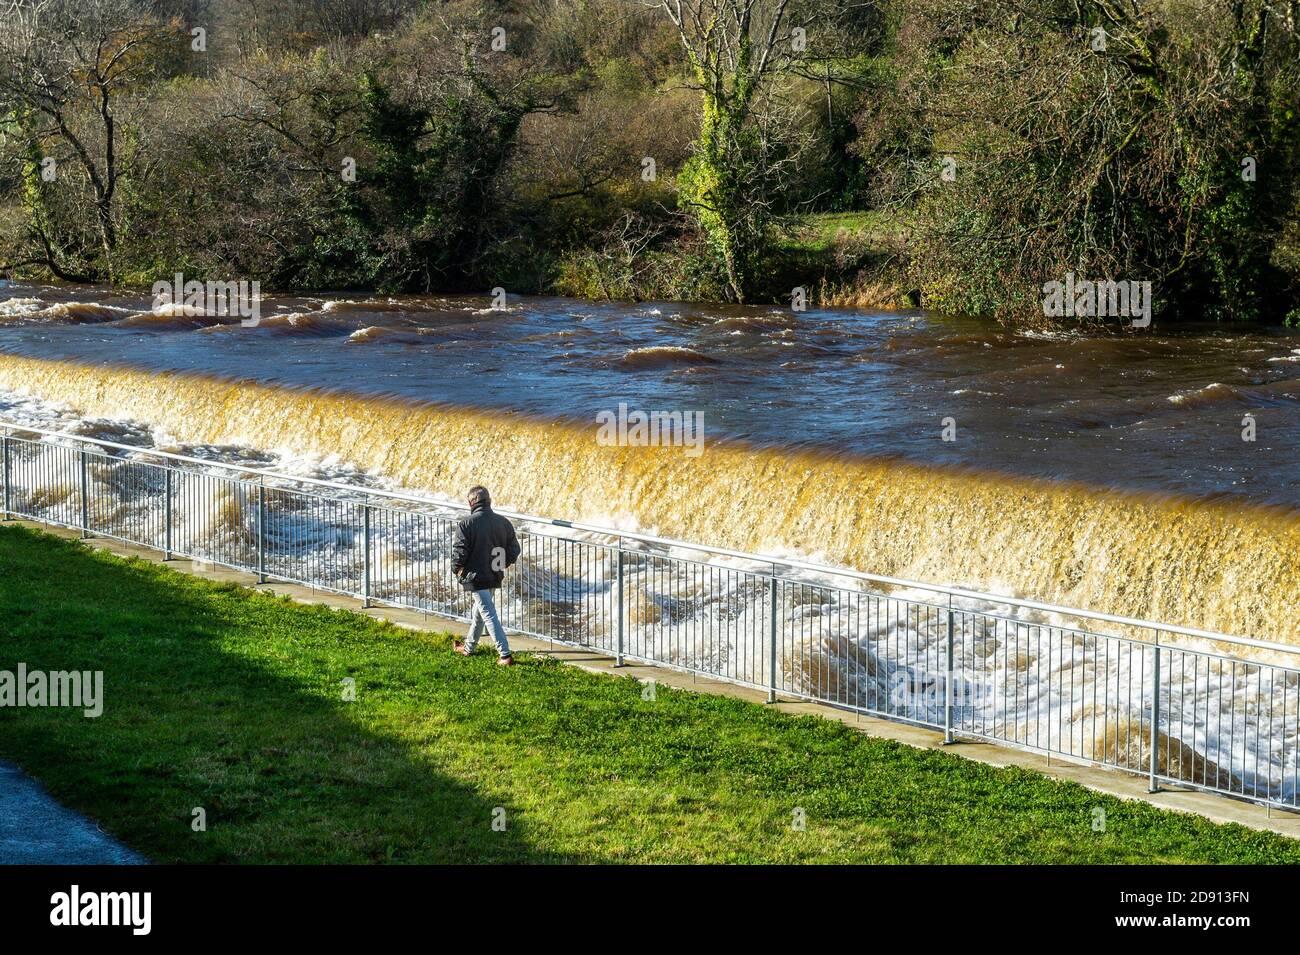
x=230, y=700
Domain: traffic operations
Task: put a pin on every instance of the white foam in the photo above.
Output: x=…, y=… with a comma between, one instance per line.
x=1031, y=678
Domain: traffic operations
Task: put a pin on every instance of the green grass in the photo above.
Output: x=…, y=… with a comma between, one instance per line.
x=228, y=699
x=818, y=231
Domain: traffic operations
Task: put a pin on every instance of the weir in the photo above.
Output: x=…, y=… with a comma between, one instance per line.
x=1221, y=565
x=1135, y=695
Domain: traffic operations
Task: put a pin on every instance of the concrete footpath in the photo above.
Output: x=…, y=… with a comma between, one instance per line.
x=36, y=830
x=1100, y=779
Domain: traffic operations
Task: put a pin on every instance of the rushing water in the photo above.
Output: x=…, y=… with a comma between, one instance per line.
x=1104, y=470
x=1154, y=409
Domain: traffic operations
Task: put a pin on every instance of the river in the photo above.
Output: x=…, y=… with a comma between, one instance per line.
x=1157, y=410
x=1108, y=470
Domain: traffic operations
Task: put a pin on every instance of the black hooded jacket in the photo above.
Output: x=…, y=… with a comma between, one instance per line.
x=481, y=537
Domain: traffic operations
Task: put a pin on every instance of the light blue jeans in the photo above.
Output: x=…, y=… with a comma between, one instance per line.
x=483, y=616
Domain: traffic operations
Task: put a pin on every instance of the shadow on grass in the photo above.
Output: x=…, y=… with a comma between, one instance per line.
x=216, y=700
x=229, y=700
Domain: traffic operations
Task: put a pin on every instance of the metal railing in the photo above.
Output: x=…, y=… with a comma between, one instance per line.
x=1163, y=701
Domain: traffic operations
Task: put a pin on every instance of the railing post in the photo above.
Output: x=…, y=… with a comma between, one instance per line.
x=85, y=498
x=618, y=602
x=261, y=530
x=1152, y=785
x=947, y=683
x=8, y=507
x=365, y=543
x=167, y=514
x=771, y=648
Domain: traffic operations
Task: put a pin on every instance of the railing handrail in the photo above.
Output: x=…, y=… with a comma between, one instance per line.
x=813, y=567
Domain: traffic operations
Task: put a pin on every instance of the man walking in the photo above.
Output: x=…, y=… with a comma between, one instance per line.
x=485, y=546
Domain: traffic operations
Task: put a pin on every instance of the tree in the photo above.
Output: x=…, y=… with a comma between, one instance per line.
x=737, y=52
x=66, y=68
x=1108, y=138
x=428, y=119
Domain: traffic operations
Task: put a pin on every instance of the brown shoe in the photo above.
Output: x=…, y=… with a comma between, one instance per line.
x=506, y=662
x=458, y=647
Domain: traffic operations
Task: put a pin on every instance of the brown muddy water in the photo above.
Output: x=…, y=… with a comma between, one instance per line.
x=1145, y=409
x=1105, y=469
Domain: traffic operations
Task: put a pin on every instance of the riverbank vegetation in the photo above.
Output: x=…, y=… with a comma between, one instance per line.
x=241, y=727
x=951, y=154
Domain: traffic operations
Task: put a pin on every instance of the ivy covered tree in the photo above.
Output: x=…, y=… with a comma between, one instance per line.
x=740, y=53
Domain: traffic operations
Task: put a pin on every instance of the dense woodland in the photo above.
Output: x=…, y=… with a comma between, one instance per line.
x=955, y=154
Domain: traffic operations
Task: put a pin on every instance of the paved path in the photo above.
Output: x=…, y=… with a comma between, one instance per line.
x=36, y=830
